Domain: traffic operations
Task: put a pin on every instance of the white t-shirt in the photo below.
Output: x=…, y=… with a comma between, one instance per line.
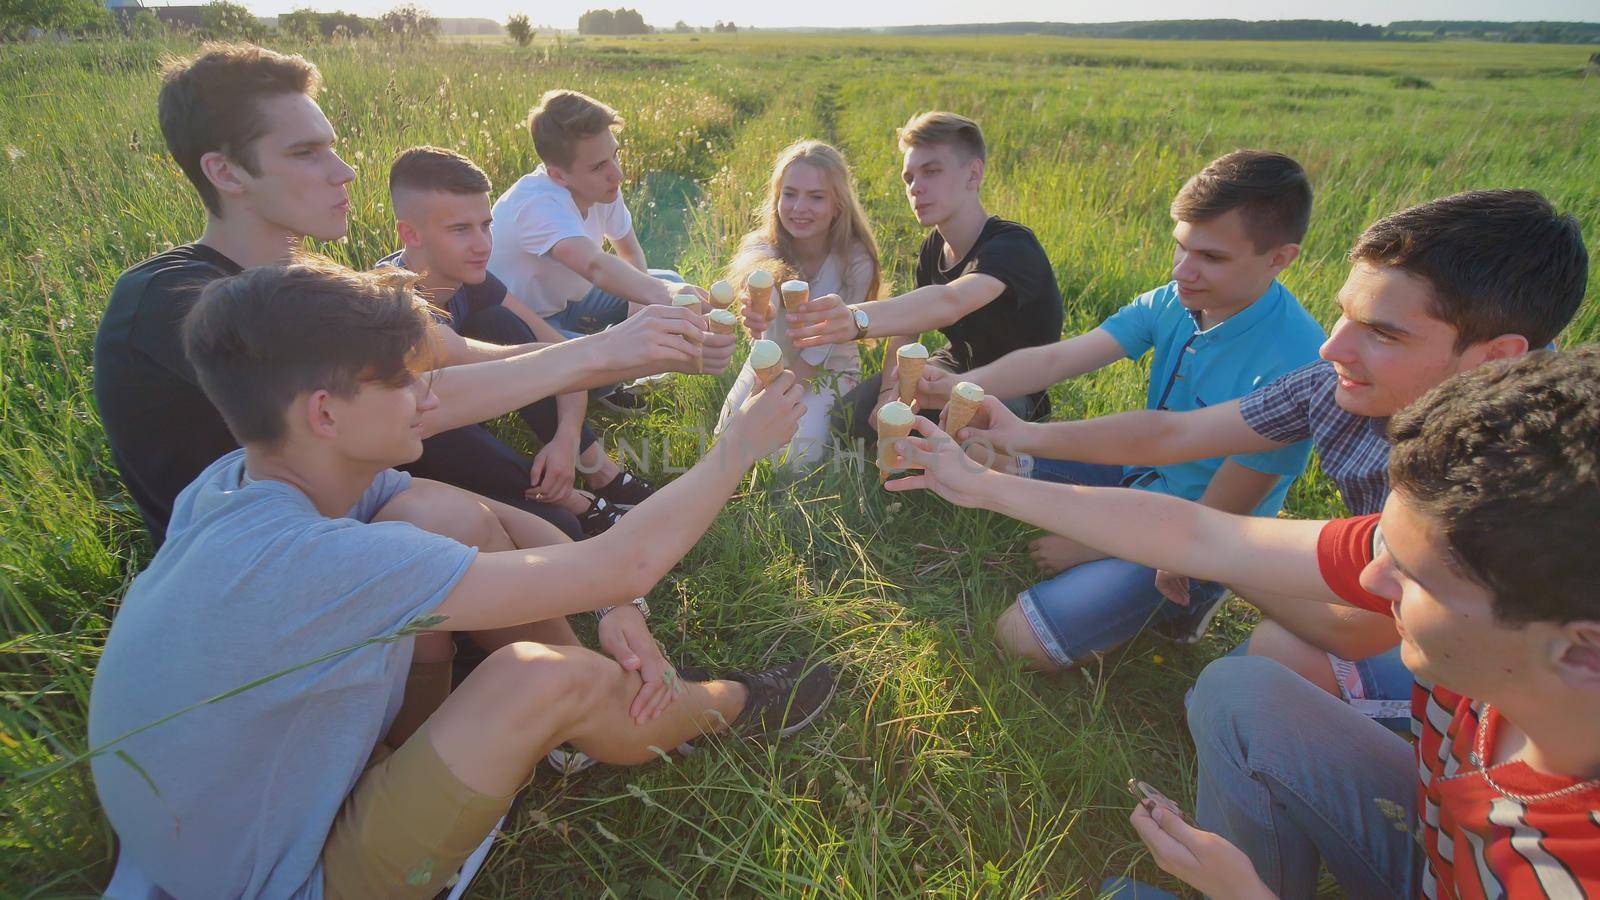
x=529, y=219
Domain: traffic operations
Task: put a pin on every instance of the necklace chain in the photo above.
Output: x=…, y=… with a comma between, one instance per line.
x=1481, y=751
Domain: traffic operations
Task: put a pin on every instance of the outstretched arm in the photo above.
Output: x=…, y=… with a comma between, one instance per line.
x=826, y=320
x=517, y=586
x=1138, y=438
x=611, y=273
x=1155, y=530
x=1029, y=370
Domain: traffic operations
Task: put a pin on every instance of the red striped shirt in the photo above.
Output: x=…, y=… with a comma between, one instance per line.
x=1479, y=843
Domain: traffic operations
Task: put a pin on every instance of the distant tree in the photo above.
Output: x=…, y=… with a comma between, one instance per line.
x=597, y=21
x=517, y=26
x=410, y=22
x=222, y=20
x=682, y=27
x=19, y=17
x=302, y=24
x=607, y=21
x=143, y=26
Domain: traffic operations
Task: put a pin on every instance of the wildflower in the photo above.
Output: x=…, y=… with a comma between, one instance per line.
x=14, y=153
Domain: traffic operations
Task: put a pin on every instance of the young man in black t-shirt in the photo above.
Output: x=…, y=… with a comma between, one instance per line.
x=243, y=124
x=442, y=218
x=983, y=282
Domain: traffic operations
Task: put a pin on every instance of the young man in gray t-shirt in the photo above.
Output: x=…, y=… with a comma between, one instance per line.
x=283, y=575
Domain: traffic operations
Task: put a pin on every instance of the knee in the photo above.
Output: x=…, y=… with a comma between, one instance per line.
x=1238, y=695
x=448, y=511
x=1015, y=638
x=553, y=684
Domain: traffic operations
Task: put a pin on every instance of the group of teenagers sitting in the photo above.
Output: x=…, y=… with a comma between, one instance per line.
x=1418, y=711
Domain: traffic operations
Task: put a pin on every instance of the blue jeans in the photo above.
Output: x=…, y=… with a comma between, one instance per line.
x=1294, y=777
x=1097, y=606
x=598, y=310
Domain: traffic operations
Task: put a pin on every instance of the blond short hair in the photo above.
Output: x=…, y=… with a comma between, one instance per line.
x=563, y=118
x=934, y=128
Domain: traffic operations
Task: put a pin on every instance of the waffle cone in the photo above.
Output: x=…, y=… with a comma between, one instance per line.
x=957, y=413
x=888, y=458
x=770, y=374
x=910, y=374
x=761, y=301
x=717, y=328
x=793, y=299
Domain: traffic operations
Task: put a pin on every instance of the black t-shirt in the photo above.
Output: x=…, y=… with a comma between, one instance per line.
x=466, y=301
x=163, y=431
x=1026, y=314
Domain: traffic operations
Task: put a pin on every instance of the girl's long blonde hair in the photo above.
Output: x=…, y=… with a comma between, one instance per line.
x=848, y=230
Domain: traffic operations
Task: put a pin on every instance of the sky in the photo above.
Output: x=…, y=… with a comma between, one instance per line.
x=855, y=14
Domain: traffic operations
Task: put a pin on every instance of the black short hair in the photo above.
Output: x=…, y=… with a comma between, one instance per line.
x=1496, y=262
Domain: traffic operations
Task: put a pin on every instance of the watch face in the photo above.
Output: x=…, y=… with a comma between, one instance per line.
x=861, y=319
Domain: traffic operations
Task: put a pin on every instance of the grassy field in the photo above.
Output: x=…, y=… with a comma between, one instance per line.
x=941, y=768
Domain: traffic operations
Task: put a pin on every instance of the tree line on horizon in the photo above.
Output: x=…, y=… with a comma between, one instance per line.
x=226, y=19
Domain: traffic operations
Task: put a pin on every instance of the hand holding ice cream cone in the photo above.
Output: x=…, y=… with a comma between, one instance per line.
x=910, y=361
x=721, y=294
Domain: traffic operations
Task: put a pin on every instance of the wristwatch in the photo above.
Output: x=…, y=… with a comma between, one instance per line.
x=860, y=315
x=638, y=603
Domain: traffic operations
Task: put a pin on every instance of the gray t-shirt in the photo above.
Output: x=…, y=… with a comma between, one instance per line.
x=236, y=798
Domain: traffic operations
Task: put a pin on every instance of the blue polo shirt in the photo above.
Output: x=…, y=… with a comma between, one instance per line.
x=1193, y=369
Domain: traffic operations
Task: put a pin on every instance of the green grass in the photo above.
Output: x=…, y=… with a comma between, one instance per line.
x=940, y=767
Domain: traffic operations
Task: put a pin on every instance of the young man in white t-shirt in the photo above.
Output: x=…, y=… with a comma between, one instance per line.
x=551, y=227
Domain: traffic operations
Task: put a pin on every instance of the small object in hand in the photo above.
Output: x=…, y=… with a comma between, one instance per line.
x=721, y=321
x=686, y=299
x=766, y=358
x=964, y=401
x=759, y=284
x=794, y=294
x=1150, y=798
x=913, y=358
x=894, y=423
x=721, y=294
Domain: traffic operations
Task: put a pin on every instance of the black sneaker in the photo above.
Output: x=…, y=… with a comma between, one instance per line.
x=599, y=517
x=1190, y=627
x=625, y=491
x=783, y=700
x=624, y=401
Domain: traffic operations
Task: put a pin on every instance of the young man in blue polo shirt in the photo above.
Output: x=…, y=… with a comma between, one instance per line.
x=1221, y=328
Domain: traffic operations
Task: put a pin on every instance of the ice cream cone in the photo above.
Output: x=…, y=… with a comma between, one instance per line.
x=795, y=293
x=964, y=400
x=759, y=284
x=720, y=321
x=913, y=358
x=721, y=294
x=766, y=359
x=894, y=423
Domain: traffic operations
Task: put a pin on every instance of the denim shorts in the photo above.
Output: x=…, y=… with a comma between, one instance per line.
x=1097, y=606
x=1379, y=686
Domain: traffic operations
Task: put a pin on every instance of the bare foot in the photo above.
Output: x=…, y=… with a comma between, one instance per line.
x=1054, y=554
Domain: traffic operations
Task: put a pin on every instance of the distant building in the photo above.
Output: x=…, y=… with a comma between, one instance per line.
x=181, y=16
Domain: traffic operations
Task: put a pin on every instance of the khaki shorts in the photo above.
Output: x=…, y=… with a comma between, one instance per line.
x=406, y=827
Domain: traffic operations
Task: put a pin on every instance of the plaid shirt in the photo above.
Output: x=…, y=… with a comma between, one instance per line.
x=1354, y=449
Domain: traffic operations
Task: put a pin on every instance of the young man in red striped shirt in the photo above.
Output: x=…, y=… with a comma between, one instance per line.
x=1484, y=555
